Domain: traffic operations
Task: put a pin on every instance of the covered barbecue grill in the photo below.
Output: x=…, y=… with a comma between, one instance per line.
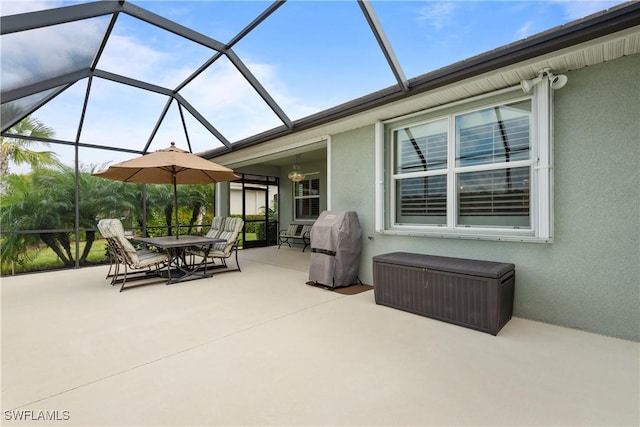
x=336, y=241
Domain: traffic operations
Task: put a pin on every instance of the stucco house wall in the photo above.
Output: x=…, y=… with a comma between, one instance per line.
x=589, y=277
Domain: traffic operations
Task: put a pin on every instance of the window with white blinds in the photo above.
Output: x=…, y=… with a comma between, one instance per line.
x=493, y=139
x=306, y=195
x=493, y=135
x=472, y=172
x=494, y=198
x=422, y=148
x=422, y=200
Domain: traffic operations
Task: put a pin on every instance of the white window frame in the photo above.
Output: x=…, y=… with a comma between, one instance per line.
x=540, y=163
x=308, y=177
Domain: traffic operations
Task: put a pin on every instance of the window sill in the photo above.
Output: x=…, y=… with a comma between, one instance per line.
x=479, y=235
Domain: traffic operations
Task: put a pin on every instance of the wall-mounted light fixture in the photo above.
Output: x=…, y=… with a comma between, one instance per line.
x=557, y=80
x=296, y=175
x=527, y=85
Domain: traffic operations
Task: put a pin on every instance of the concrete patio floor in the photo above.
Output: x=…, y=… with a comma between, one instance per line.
x=259, y=347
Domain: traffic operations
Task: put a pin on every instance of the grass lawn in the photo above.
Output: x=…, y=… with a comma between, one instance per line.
x=45, y=258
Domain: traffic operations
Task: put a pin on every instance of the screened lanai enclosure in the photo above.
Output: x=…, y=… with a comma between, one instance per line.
x=191, y=82
x=93, y=83
x=109, y=80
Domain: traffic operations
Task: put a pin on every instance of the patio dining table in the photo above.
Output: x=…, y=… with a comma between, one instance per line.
x=178, y=269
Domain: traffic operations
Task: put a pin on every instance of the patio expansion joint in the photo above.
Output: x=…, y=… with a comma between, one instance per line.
x=275, y=264
x=177, y=353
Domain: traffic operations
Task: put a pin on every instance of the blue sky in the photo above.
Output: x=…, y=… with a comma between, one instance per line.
x=310, y=55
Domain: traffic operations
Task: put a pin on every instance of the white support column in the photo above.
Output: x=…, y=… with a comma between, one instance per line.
x=543, y=186
x=379, y=177
x=222, y=200
x=329, y=174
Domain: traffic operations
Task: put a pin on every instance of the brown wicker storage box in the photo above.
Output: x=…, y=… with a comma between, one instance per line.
x=471, y=293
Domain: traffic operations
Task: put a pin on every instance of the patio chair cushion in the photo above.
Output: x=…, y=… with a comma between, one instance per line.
x=136, y=258
x=103, y=227
x=306, y=231
x=107, y=231
x=295, y=232
x=229, y=232
x=216, y=226
x=124, y=253
x=292, y=230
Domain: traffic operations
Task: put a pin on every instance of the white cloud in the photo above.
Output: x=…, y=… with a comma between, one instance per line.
x=437, y=14
x=132, y=58
x=221, y=94
x=525, y=30
x=227, y=100
x=47, y=52
x=14, y=7
x=123, y=116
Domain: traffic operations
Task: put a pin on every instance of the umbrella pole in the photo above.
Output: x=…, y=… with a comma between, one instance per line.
x=175, y=204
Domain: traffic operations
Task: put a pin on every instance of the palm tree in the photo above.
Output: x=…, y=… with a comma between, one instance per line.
x=160, y=203
x=20, y=207
x=17, y=150
x=160, y=199
x=99, y=198
x=198, y=197
x=29, y=204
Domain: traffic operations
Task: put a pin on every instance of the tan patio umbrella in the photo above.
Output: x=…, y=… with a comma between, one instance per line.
x=169, y=166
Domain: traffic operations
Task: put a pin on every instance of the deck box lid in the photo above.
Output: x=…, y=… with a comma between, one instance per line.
x=454, y=265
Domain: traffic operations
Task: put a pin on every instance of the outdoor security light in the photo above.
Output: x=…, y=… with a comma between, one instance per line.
x=557, y=81
x=527, y=85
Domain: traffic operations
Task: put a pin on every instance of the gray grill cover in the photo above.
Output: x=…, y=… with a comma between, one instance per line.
x=336, y=241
